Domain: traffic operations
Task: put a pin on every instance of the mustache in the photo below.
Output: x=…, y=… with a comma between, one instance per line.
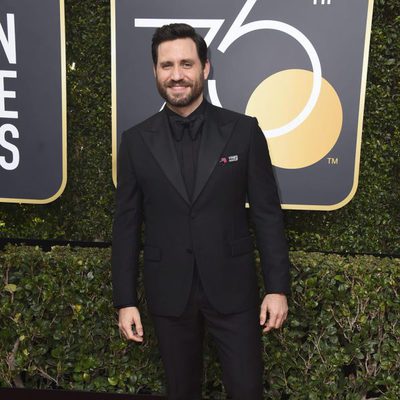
x=181, y=82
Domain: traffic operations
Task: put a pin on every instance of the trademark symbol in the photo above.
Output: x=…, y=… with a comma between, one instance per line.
x=321, y=2
x=333, y=161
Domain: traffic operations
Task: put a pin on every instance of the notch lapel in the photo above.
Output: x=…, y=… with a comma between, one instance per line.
x=159, y=139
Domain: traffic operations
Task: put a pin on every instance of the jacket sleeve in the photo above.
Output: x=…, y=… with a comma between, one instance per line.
x=126, y=231
x=266, y=215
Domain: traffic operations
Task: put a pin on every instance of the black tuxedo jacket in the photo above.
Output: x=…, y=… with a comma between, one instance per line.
x=211, y=229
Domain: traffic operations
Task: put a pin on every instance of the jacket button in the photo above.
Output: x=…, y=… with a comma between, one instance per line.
x=190, y=251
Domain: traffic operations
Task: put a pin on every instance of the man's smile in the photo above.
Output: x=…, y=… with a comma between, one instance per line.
x=178, y=89
x=178, y=85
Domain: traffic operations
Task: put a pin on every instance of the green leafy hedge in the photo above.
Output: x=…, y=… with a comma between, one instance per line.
x=59, y=330
x=368, y=224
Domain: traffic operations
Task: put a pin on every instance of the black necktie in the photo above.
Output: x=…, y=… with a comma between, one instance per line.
x=187, y=130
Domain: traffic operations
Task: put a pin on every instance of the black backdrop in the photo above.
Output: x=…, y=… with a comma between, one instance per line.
x=84, y=211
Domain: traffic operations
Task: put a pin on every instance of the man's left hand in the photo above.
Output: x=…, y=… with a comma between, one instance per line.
x=275, y=304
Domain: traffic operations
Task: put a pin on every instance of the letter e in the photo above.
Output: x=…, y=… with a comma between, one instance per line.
x=6, y=93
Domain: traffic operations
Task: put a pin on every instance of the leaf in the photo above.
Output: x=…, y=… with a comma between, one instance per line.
x=10, y=287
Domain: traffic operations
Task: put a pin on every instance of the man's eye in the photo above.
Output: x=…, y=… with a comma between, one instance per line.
x=187, y=65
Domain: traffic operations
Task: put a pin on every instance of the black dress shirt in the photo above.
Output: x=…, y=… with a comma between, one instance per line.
x=186, y=132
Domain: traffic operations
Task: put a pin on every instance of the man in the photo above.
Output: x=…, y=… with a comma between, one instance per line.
x=185, y=172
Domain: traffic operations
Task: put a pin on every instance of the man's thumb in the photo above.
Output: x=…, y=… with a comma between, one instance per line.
x=139, y=330
x=263, y=313
x=138, y=326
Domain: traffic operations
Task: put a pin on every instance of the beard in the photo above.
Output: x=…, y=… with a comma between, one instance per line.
x=180, y=99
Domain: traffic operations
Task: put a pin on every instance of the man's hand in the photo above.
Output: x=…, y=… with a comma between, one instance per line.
x=275, y=305
x=127, y=317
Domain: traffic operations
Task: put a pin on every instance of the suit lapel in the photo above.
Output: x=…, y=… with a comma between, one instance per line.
x=214, y=138
x=159, y=139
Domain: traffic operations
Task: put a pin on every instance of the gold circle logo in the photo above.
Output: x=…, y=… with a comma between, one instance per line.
x=279, y=99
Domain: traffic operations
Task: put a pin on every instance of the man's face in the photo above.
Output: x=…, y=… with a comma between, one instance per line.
x=179, y=73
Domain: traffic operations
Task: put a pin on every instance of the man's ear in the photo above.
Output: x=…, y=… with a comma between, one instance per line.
x=154, y=70
x=206, y=69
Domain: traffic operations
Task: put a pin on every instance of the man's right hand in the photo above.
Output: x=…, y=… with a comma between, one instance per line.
x=127, y=317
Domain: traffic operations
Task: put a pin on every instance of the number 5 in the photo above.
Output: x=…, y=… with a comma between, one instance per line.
x=237, y=30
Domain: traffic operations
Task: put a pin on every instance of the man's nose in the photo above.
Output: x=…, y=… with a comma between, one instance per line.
x=177, y=74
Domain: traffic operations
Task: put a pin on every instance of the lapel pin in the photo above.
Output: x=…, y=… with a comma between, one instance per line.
x=225, y=160
x=233, y=158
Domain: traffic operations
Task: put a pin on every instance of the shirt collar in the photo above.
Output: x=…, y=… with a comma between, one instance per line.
x=200, y=110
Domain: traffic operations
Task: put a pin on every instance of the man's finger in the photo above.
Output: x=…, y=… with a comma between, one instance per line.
x=138, y=334
x=282, y=320
x=271, y=322
x=276, y=323
x=126, y=331
x=263, y=314
x=279, y=322
x=139, y=327
x=130, y=335
x=137, y=338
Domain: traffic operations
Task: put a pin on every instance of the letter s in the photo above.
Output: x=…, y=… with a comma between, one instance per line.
x=9, y=146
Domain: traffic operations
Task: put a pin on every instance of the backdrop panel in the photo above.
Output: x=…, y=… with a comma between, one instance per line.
x=32, y=101
x=298, y=66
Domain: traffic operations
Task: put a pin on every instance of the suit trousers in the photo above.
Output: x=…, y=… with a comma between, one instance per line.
x=237, y=338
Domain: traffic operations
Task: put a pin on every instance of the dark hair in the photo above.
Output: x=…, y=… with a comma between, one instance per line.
x=178, y=31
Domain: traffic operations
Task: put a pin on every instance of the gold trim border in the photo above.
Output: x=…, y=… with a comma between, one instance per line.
x=310, y=207
x=63, y=121
x=113, y=91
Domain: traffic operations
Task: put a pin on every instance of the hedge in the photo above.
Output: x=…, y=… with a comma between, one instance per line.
x=59, y=330
x=84, y=212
